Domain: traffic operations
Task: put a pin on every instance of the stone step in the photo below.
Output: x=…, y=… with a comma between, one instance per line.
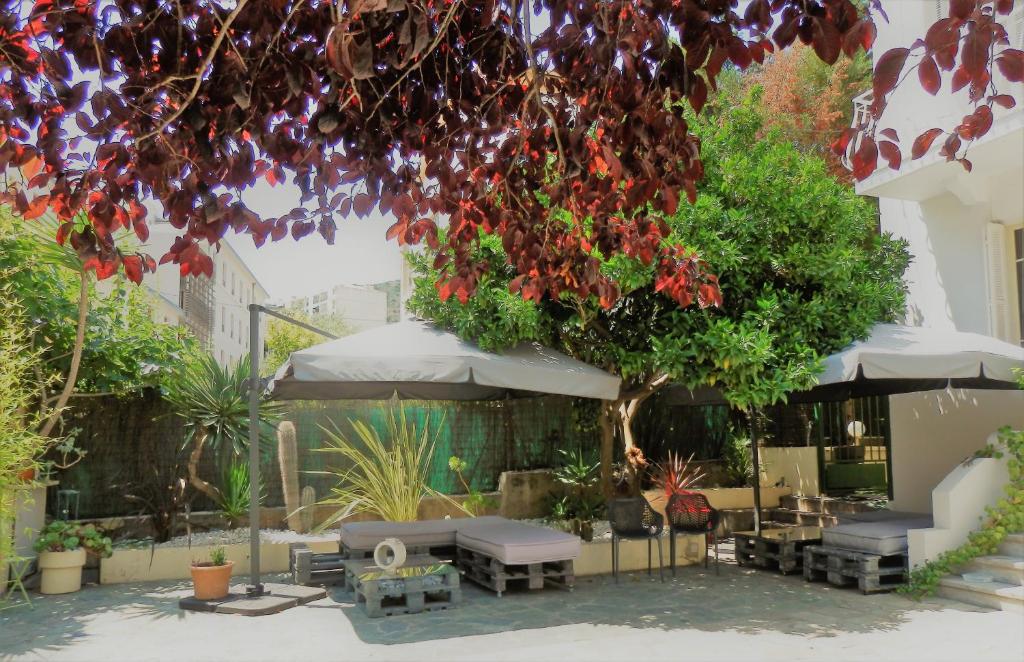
x=996, y=595
x=827, y=505
x=1006, y=569
x=801, y=517
x=1012, y=545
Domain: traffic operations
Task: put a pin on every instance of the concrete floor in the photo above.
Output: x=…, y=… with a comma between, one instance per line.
x=741, y=614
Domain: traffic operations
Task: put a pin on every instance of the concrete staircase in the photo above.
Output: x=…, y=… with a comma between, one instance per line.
x=813, y=511
x=1005, y=592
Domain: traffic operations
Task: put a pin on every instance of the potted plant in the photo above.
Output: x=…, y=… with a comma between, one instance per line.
x=579, y=475
x=210, y=579
x=62, y=548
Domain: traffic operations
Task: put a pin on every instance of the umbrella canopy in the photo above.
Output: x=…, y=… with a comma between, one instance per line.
x=898, y=359
x=416, y=360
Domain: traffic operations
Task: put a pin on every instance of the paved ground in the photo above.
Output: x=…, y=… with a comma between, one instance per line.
x=741, y=614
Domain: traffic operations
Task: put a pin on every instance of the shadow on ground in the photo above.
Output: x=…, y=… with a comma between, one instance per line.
x=738, y=600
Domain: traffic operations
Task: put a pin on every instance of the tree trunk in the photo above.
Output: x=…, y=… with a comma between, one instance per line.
x=193, y=469
x=627, y=414
x=76, y=356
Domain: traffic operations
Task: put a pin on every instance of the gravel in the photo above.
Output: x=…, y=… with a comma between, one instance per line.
x=228, y=537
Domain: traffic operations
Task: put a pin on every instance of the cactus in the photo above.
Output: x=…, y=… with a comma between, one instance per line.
x=288, y=459
x=308, y=508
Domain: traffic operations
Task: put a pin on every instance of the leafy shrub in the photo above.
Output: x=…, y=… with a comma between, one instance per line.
x=739, y=464
x=235, y=496
x=475, y=502
x=218, y=556
x=62, y=536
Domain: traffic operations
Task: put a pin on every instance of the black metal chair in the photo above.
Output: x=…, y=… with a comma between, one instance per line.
x=691, y=513
x=633, y=519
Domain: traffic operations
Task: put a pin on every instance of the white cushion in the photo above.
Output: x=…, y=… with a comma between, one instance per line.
x=427, y=533
x=882, y=537
x=515, y=543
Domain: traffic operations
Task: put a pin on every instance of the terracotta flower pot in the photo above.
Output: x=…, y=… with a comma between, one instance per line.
x=211, y=581
x=62, y=571
x=27, y=475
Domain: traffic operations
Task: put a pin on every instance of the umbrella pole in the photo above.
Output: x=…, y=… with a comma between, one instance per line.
x=752, y=414
x=255, y=588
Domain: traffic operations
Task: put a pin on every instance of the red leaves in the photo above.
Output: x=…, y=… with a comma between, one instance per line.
x=976, y=124
x=887, y=71
x=861, y=35
x=865, y=159
x=924, y=142
x=1011, y=64
x=928, y=74
x=962, y=9
x=827, y=41
x=890, y=151
x=133, y=268
x=1004, y=100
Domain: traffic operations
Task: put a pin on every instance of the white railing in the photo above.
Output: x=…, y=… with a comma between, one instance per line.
x=862, y=109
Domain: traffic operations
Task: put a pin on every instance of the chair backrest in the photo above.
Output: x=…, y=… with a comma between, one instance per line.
x=690, y=512
x=634, y=517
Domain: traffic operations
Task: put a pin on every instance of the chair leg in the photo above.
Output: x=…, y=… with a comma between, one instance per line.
x=705, y=551
x=615, y=563
x=672, y=551
x=717, y=570
x=648, y=557
x=661, y=562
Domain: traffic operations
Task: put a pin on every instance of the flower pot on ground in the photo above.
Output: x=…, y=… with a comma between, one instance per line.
x=210, y=579
x=62, y=571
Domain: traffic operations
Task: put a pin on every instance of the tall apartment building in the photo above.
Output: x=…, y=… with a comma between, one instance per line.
x=362, y=306
x=215, y=310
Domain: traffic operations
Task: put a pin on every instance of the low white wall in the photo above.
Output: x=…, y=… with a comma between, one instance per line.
x=796, y=467
x=959, y=503
x=932, y=432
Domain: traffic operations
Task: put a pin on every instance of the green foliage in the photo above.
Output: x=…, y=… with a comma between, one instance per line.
x=578, y=473
x=125, y=349
x=235, y=497
x=802, y=269
x=218, y=556
x=475, y=502
x=92, y=538
x=384, y=476
x=1007, y=516
x=214, y=401
x=739, y=463
x=63, y=536
x=283, y=337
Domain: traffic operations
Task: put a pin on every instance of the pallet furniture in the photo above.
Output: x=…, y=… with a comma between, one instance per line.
x=491, y=573
x=424, y=583
x=309, y=569
x=872, y=573
x=776, y=549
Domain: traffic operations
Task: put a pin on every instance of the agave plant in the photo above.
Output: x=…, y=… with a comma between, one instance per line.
x=214, y=402
x=235, y=497
x=385, y=475
x=675, y=475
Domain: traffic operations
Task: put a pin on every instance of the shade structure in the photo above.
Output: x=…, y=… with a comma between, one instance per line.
x=898, y=359
x=893, y=359
x=417, y=360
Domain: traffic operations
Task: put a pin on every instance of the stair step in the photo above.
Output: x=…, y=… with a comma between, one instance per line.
x=1007, y=569
x=1012, y=545
x=996, y=595
x=801, y=517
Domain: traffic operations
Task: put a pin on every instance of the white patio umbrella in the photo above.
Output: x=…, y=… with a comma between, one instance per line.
x=894, y=359
x=416, y=360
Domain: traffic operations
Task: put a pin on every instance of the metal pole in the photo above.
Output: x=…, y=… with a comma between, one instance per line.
x=255, y=587
x=752, y=413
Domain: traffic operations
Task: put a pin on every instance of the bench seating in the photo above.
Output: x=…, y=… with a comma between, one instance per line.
x=883, y=532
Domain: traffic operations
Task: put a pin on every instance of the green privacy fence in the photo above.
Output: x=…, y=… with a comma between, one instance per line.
x=132, y=446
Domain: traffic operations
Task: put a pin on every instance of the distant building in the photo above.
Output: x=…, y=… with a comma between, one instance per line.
x=362, y=306
x=393, y=290
x=214, y=310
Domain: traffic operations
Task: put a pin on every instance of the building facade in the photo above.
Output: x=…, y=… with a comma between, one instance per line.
x=214, y=310
x=965, y=231
x=362, y=306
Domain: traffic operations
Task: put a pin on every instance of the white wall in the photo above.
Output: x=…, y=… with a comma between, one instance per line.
x=797, y=467
x=933, y=432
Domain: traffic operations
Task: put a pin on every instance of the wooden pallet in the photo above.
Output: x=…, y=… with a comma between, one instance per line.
x=495, y=575
x=390, y=596
x=871, y=573
x=309, y=569
x=786, y=556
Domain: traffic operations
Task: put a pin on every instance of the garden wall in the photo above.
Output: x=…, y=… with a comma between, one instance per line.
x=133, y=447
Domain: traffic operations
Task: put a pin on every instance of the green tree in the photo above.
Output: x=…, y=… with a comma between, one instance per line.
x=283, y=338
x=93, y=339
x=801, y=267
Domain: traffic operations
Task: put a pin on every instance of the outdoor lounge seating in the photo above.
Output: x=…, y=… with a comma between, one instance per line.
x=633, y=518
x=882, y=532
x=691, y=513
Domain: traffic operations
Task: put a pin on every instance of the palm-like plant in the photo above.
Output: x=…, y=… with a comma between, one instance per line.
x=387, y=478
x=235, y=496
x=213, y=400
x=674, y=475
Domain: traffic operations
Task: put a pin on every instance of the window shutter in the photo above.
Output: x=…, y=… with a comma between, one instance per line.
x=998, y=290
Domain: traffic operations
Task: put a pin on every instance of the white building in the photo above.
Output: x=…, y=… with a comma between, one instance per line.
x=216, y=311
x=362, y=306
x=966, y=233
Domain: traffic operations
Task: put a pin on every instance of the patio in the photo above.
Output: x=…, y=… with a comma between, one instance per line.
x=696, y=614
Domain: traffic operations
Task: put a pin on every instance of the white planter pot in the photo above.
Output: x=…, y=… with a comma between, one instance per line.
x=62, y=571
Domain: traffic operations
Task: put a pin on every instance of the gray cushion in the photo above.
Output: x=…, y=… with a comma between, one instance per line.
x=515, y=543
x=428, y=533
x=880, y=515
x=883, y=537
